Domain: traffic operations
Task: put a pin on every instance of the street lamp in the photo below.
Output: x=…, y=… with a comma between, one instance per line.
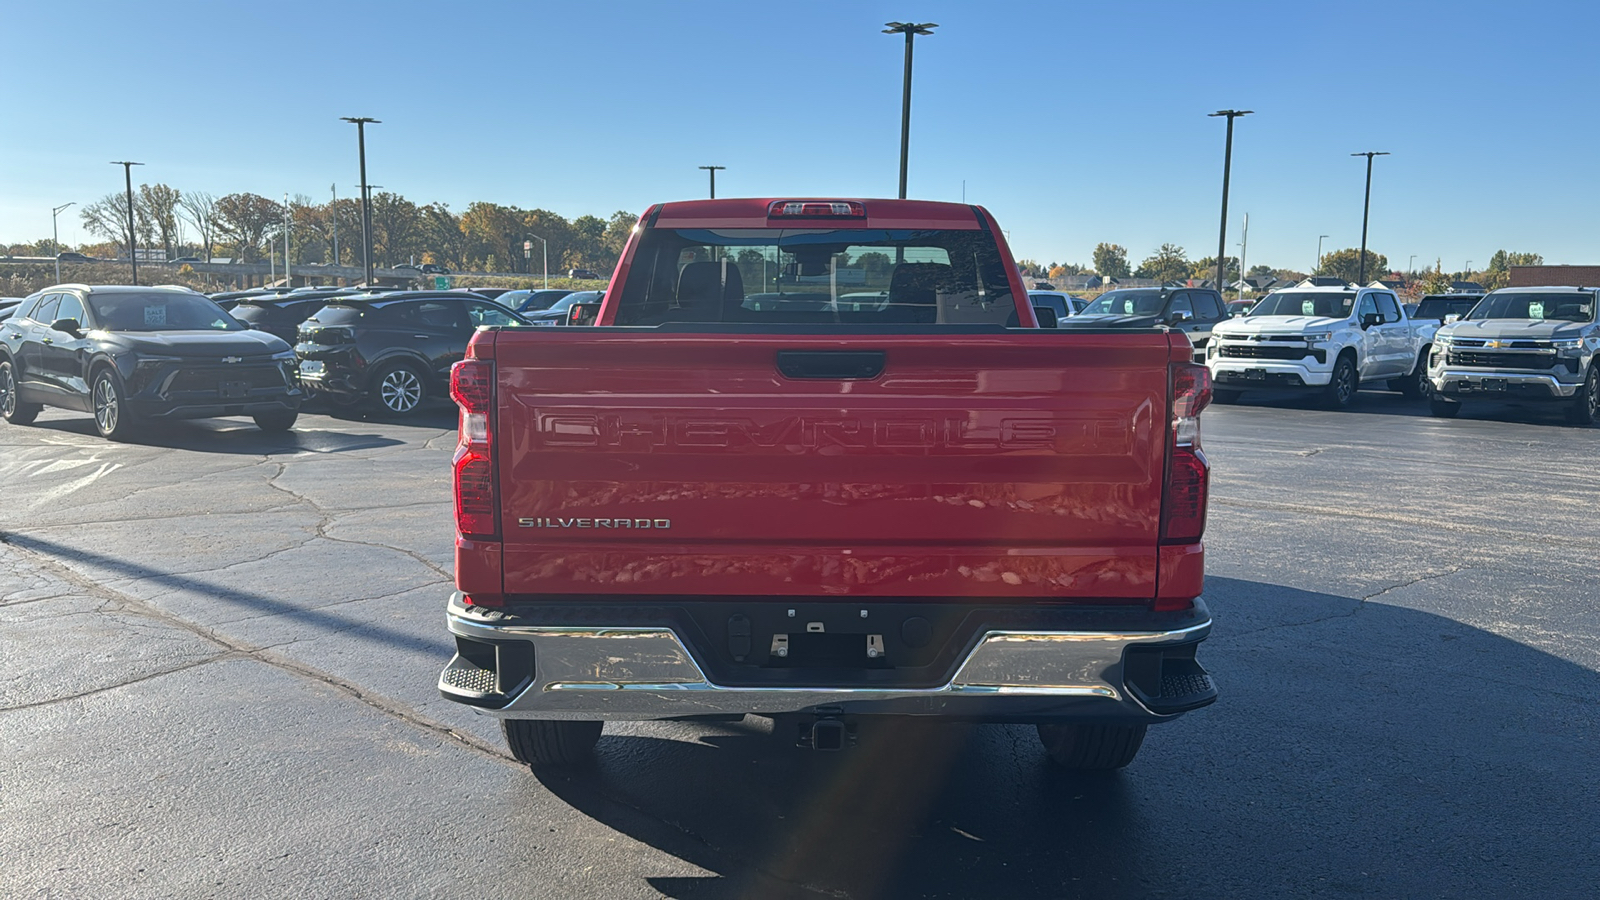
x=713, y=171
x=1366, y=208
x=527, y=253
x=361, y=123
x=910, y=30
x=1319, y=252
x=55, y=238
x=1227, y=163
x=1411, y=266
x=133, y=255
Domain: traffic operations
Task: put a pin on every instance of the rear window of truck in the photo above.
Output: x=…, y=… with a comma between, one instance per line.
x=802, y=276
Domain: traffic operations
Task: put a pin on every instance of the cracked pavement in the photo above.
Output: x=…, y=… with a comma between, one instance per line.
x=220, y=650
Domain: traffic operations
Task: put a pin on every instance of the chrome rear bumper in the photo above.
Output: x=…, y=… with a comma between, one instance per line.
x=643, y=673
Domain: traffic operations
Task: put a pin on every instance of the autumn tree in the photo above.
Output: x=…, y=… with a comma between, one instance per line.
x=246, y=219
x=1168, y=263
x=1346, y=265
x=396, y=229
x=108, y=218
x=618, y=230
x=1498, y=275
x=1207, y=269
x=1111, y=260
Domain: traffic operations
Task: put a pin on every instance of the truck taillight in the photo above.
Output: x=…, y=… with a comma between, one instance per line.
x=477, y=500
x=1183, y=502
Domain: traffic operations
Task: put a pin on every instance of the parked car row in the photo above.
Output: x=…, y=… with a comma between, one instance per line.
x=129, y=355
x=1533, y=344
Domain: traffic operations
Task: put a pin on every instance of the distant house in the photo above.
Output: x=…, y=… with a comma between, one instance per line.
x=1392, y=284
x=1323, y=281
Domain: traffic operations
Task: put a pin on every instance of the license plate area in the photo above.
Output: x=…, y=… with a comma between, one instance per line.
x=311, y=367
x=233, y=390
x=1491, y=384
x=1254, y=374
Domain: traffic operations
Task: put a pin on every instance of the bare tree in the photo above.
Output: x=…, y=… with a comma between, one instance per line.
x=200, y=208
x=108, y=218
x=159, y=205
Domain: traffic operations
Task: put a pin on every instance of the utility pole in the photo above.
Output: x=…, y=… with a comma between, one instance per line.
x=333, y=216
x=288, y=273
x=133, y=254
x=713, y=171
x=1366, y=209
x=55, y=238
x=1319, y=253
x=1244, y=247
x=1227, y=164
x=910, y=30
x=361, y=123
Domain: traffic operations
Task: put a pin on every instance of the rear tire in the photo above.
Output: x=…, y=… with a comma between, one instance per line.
x=1342, y=387
x=277, y=420
x=1416, y=386
x=1443, y=409
x=1225, y=396
x=1586, y=402
x=11, y=406
x=1092, y=747
x=544, y=742
x=399, y=390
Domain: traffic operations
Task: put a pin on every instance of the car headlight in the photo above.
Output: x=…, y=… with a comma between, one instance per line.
x=1566, y=345
x=1318, y=337
x=151, y=362
x=1443, y=340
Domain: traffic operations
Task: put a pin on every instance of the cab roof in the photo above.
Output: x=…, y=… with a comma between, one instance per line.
x=753, y=212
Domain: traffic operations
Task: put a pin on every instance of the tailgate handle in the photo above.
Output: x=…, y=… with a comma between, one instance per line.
x=830, y=363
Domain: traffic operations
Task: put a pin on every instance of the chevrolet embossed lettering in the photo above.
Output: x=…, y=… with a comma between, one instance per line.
x=553, y=522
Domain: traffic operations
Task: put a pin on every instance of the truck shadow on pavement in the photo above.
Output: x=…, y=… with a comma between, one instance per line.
x=1391, y=403
x=234, y=436
x=1358, y=749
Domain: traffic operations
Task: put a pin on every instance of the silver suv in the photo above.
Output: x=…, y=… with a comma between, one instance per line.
x=1521, y=344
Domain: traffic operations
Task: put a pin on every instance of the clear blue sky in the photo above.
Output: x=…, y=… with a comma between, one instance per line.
x=1073, y=123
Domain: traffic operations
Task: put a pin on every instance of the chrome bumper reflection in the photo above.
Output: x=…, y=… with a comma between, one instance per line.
x=1448, y=378
x=634, y=673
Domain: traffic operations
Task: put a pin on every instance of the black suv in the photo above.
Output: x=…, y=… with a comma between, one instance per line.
x=1193, y=311
x=392, y=350
x=281, y=314
x=127, y=354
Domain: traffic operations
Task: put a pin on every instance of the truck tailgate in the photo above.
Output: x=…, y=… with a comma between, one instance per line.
x=1000, y=465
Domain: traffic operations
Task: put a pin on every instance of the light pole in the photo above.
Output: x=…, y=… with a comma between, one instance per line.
x=1366, y=208
x=133, y=255
x=361, y=123
x=1244, y=248
x=1227, y=163
x=288, y=272
x=1411, y=266
x=527, y=252
x=333, y=217
x=713, y=171
x=1319, y=253
x=910, y=30
x=55, y=238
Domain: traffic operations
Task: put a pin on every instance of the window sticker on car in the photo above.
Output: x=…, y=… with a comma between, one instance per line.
x=1536, y=310
x=155, y=316
x=1308, y=307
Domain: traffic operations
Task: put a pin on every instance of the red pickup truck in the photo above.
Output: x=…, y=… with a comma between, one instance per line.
x=815, y=461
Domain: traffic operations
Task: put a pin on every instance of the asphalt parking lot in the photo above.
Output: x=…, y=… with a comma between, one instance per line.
x=220, y=651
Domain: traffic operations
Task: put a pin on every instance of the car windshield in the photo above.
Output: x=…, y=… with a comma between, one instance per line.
x=536, y=301
x=579, y=297
x=817, y=276
x=1324, y=304
x=138, y=311
x=1127, y=303
x=1439, y=307
x=1568, y=307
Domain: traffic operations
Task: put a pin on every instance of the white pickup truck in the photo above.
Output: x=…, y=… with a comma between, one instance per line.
x=1326, y=339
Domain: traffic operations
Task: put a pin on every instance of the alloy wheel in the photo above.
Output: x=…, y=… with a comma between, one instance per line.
x=105, y=404
x=1346, y=386
x=8, y=393
x=1592, y=389
x=400, y=391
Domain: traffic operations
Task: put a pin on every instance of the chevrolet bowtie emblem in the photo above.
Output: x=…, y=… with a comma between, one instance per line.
x=232, y=359
x=1491, y=344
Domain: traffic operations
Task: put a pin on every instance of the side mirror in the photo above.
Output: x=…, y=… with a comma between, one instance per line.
x=1046, y=316
x=1371, y=319
x=67, y=326
x=1452, y=318
x=583, y=313
x=1179, y=316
